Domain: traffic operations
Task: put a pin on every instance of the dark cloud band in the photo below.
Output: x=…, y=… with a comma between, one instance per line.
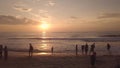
x=12, y=20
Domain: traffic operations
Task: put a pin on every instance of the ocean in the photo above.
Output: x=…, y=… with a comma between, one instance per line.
x=63, y=42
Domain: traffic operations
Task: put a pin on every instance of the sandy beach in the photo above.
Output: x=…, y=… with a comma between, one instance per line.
x=21, y=60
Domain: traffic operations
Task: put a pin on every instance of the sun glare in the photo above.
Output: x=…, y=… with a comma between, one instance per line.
x=44, y=26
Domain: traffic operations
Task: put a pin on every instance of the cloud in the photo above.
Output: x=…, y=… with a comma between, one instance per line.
x=37, y=0
x=12, y=20
x=50, y=3
x=72, y=20
x=21, y=7
x=109, y=15
x=43, y=11
x=73, y=17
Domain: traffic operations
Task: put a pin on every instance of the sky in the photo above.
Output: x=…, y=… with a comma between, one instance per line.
x=60, y=15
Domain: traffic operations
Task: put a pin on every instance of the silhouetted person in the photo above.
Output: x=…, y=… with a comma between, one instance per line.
x=1, y=51
x=76, y=50
x=82, y=48
x=5, y=53
x=118, y=65
x=92, y=48
x=108, y=48
x=30, y=50
x=86, y=48
x=93, y=59
x=52, y=50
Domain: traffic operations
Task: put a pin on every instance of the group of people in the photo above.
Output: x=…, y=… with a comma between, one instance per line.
x=3, y=52
x=85, y=48
x=92, y=52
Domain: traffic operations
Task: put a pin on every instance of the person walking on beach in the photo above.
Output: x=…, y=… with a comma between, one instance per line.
x=5, y=53
x=1, y=51
x=82, y=48
x=93, y=59
x=86, y=48
x=30, y=50
x=108, y=48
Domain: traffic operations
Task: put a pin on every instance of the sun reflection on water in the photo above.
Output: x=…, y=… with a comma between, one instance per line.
x=44, y=46
x=43, y=53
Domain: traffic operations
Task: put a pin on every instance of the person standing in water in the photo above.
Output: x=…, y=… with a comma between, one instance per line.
x=76, y=49
x=1, y=51
x=30, y=50
x=86, y=48
x=82, y=48
x=92, y=48
x=5, y=53
x=108, y=48
x=52, y=49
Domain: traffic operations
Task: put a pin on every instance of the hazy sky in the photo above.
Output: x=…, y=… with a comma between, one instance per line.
x=61, y=15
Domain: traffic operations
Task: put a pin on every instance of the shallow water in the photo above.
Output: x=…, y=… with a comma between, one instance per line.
x=62, y=42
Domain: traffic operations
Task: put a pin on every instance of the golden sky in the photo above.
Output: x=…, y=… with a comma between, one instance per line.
x=60, y=15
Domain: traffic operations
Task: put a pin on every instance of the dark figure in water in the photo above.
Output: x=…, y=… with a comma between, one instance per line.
x=86, y=48
x=93, y=59
x=1, y=51
x=76, y=49
x=5, y=53
x=30, y=50
x=108, y=48
x=82, y=48
x=52, y=49
x=92, y=48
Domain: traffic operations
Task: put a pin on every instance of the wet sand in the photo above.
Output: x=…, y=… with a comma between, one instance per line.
x=21, y=60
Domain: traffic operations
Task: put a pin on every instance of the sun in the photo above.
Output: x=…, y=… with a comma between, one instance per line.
x=44, y=26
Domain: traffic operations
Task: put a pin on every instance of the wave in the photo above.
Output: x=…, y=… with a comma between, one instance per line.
x=99, y=39
x=110, y=36
x=26, y=50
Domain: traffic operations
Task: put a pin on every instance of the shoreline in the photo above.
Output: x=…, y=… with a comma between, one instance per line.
x=63, y=53
x=21, y=60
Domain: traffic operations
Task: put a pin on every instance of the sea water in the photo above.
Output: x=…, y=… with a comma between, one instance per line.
x=62, y=42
